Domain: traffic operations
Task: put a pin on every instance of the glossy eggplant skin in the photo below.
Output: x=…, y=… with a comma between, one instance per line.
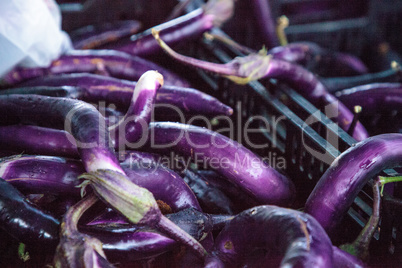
x=24, y=221
x=309, y=86
x=164, y=183
x=42, y=174
x=229, y=158
x=339, y=185
x=97, y=88
x=211, y=199
x=104, y=62
x=295, y=235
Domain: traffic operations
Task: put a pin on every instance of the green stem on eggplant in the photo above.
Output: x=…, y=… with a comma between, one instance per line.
x=360, y=247
x=282, y=24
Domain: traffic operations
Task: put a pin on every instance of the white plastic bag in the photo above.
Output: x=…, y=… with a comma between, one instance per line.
x=30, y=33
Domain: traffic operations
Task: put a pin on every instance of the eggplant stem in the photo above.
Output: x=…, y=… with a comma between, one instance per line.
x=73, y=215
x=172, y=230
x=229, y=42
x=283, y=23
x=360, y=247
x=218, y=68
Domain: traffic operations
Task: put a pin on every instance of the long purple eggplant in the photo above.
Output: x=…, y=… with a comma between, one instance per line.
x=229, y=158
x=295, y=235
x=93, y=36
x=24, y=221
x=96, y=88
x=265, y=22
x=242, y=70
x=42, y=174
x=212, y=200
x=338, y=187
x=104, y=62
x=57, y=175
x=239, y=165
x=181, y=29
x=373, y=98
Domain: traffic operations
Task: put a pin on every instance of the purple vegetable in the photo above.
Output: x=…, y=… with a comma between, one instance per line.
x=42, y=174
x=265, y=22
x=229, y=158
x=42, y=141
x=93, y=36
x=295, y=235
x=164, y=183
x=96, y=88
x=338, y=187
x=104, y=62
x=24, y=221
x=181, y=29
x=257, y=66
x=212, y=200
x=373, y=98
x=131, y=127
x=46, y=174
x=57, y=91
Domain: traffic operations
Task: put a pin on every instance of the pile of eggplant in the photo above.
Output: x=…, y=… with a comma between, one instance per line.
x=94, y=173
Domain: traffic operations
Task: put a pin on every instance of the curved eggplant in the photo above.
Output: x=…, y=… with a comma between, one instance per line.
x=24, y=221
x=338, y=187
x=229, y=158
x=295, y=235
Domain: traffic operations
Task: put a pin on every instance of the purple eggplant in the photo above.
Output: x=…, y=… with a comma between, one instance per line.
x=233, y=161
x=104, y=62
x=57, y=175
x=212, y=200
x=57, y=91
x=295, y=235
x=42, y=174
x=42, y=141
x=338, y=187
x=179, y=30
x=165, y=184
x=96, y=88
x=243, y=70
x=26, y=222
x=229, y=158
x=373, y=98
x=93, y=36
x=265, y=22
